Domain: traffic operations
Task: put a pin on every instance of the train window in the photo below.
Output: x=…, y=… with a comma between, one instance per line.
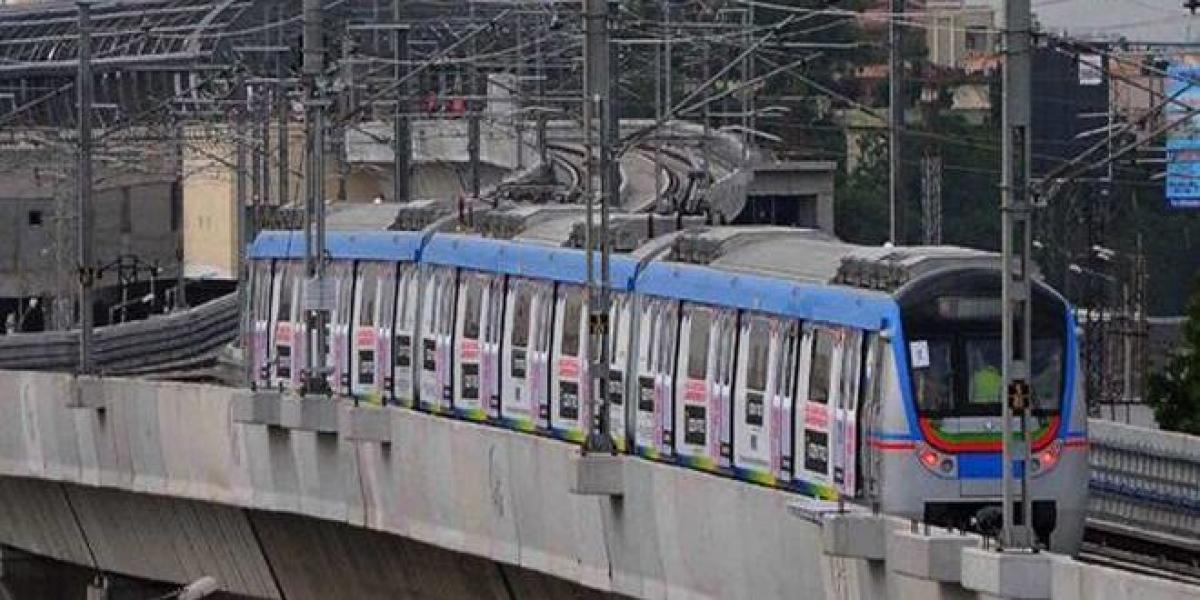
x=572, y=313
x=758, y=355
x=983, y=368
x=701, y=326
x=369, y=283
x=933, y=375
x=471, y=315
x=787, y=371
x=1047, y=373
x=521, y=310
x=446, y=308
x=286, y=281
x=822, y=360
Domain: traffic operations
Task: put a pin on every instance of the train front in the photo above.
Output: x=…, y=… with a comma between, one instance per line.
x=948, y=367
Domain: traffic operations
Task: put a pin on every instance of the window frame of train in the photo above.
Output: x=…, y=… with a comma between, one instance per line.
x=569, y=382
x=658, y=337
x=764, y=397
x=703, y=390
x=870, y=415
x=341, y=276
x=479, y=308
x=439, y=292
x=826, y=431
x=525, y=404
x=374, y=303
x=262, y=311
x=288, y=349
x=405, y=364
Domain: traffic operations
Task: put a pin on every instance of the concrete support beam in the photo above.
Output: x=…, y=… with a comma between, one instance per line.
x=598, y=474
x=365, y=424
x=1012, y=574
x=934, y=556
x=88, y=394
x=309, y=413
x=258, y=407
x=855, y=535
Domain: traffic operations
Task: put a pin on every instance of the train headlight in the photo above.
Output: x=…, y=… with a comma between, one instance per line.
x=1045, y=460
x=942, y=465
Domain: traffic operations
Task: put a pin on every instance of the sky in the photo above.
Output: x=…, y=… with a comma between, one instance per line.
x=1151, y=21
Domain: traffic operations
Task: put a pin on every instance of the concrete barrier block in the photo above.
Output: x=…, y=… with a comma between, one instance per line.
x=597, y=474
x=1011, y=574
x=366, y=424
x=88, y=394
x=855, y=535
x=259, y=407
x=317, y=413
x=936, y=556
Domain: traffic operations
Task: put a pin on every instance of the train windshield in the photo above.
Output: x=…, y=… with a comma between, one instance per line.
x=952, y=325
x=961, y=375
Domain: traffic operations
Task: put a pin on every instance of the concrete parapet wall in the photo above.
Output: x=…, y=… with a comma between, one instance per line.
x=472, y=489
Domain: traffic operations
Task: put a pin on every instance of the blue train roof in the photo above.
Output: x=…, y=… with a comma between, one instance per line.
x=361, y=245
x=523, y=259
x=843, y=305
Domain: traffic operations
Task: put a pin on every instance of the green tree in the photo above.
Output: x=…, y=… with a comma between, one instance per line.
x=1175, y=391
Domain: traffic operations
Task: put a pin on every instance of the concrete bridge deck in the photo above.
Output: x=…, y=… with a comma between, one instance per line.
x=311, y=498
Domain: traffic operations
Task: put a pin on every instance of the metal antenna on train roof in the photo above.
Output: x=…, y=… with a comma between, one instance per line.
x=1017, y=231
x=601, y=185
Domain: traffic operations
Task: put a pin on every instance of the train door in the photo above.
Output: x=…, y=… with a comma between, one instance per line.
x=569, y=381
x=620, y=317
x=374, y=297
x=437, y=318
x=702, y=408
x=472, y=322
x=288, y=352
x=493, y=332
x=871, y=419
x=815, y=391
x=845, y=411
x=657, y=332
x=262, y=320
x=759, y=398
x=408, y=298
x=340, y=276
x=524, y=377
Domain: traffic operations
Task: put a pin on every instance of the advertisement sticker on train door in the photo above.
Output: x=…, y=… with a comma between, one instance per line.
x=366, y=367
x=646, y=393
x=429, y=355
x=520, y=362
x=403, y=351
x=568, y=396
x=816, y=451
x=695, y=426
x=754, y=408
x=470, y=381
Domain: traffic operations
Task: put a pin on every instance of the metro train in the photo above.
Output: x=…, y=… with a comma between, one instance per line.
x=781, y=357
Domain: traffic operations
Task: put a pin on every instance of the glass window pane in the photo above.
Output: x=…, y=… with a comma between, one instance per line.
x=1047, y=371
x=701, y=327
x=474, y=303
x=934, y=382
x=757, y=355
x=521, y=310
x=570, y=323
x=822, y=361
x=983, y=366
x=366, y=314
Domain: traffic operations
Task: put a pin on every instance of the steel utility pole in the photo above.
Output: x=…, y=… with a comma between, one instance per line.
x=474, y=107
x=401, y=143
x=895, y=122
x=316, y=299
x=87, y=271
x=1017, y=232
x=597, y=102
x=181, y=303
x=283, y=110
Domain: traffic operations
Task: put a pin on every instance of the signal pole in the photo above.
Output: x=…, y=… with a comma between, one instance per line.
x=597, y=102
x=895, y=122
x=316, y=300
x=1016, y=287
x=87, y=271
